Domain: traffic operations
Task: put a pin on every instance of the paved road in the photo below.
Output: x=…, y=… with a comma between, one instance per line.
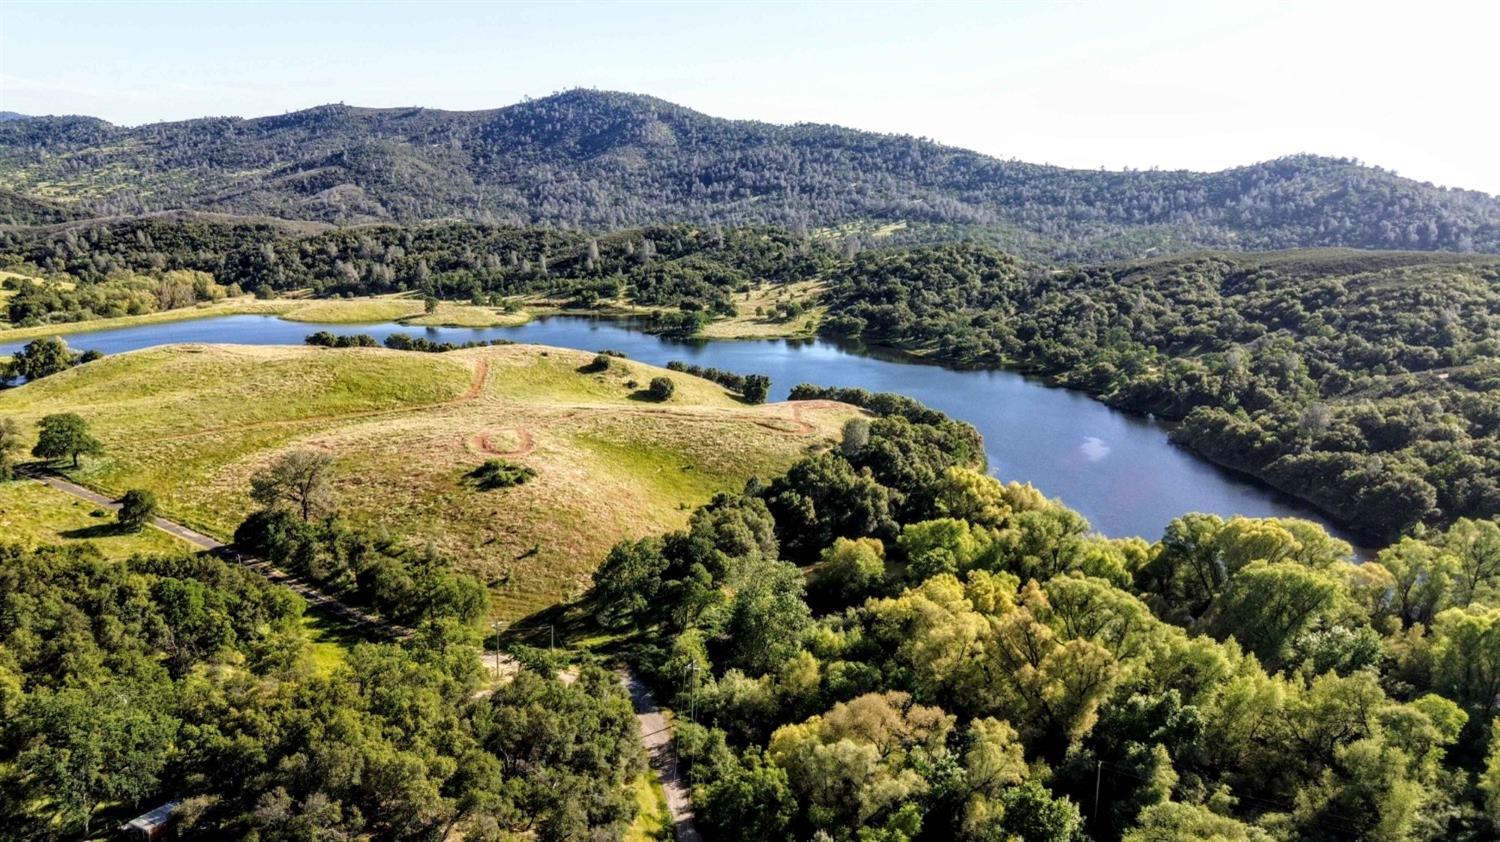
x=308, y=591
x=656, y=736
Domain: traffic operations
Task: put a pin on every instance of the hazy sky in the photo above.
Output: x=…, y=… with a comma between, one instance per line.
x=1413, y=86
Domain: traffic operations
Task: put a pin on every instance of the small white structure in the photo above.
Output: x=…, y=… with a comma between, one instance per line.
x=150, y=826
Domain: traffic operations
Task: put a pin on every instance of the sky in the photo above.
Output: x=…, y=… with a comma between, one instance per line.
x=1411, y=86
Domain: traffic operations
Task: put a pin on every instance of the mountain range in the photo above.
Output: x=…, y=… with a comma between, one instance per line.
x=602, y=160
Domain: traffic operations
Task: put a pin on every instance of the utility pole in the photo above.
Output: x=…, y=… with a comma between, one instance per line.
x=496, y=626
x=693, y=693
x=551, y=638
x=1098, y=773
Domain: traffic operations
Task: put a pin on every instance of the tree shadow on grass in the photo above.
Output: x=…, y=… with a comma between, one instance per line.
x=98, y=530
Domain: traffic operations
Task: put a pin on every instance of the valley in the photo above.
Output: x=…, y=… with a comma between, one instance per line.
x=596, y=468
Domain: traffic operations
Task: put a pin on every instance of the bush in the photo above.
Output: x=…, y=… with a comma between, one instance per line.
x=325, y=339
x=661, y=388
x=498, y=473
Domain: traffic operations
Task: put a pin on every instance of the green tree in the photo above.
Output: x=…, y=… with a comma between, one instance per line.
x=63, y=436
x=856, y=436
x=300, y=480
x=109, y=742
x=41, y=358
x=1171, y=822
x=1466, y=657
x=1421, y=576
x=11, y=444
x=1475, y=544
x=753, y=801
x=1267, y=604
x=137, y=508
x=1030, y=812
x=768, y=617
x=628, y=581
x=849, y=571
x=1489, y=779
x=755, y=388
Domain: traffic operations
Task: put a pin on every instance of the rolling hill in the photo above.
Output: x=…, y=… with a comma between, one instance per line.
x=604, y=160
x=191, y=423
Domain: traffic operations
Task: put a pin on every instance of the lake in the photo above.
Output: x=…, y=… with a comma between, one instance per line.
x=1118, y=470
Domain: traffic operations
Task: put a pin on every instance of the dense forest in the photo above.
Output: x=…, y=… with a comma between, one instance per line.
x=669, y=266
x=885, y=643
x=1364, y=383
x=123, y=684
x=607, y=160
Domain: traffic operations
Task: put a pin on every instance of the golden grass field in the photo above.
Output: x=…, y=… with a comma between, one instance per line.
x=407, y=310
x=191, y=423
x=745, y=325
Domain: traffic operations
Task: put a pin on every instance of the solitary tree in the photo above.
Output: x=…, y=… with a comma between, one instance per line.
x=65, y=435
x=856, y=435
x=661, y=388
x=10, y=445
x=137, y=508
x=299, y=480
x=430, y=304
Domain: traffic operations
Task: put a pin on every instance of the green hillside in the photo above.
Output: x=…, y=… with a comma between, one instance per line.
x=607, y=160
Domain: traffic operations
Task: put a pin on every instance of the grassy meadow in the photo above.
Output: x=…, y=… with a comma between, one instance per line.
x=32, y=514
x=748, y=325
x=745, y=325
x=191, y=423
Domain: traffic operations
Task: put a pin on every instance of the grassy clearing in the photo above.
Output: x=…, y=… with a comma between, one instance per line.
x=354, y=310
x=748, y=325
x=653, y=822
x=331, y=638
x=745, y=325
x=192, y=423
x=400, y=308
x=449, y=314
x=33, y=515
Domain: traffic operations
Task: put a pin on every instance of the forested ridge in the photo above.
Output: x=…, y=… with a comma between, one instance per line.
x=885, y=643
x=1364, y=383
x=602, y=160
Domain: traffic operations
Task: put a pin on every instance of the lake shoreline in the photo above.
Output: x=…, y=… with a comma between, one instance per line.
x=1118, y=468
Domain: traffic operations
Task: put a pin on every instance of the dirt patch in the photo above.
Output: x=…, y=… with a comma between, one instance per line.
x=484, y=443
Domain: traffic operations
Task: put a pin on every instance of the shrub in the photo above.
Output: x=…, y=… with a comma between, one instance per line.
x=498, y=473
x=661, y=388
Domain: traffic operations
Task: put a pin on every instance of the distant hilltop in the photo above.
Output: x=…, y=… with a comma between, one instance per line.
x=603, y=160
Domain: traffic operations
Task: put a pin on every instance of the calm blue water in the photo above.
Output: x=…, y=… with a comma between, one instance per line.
x=1120, y=471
